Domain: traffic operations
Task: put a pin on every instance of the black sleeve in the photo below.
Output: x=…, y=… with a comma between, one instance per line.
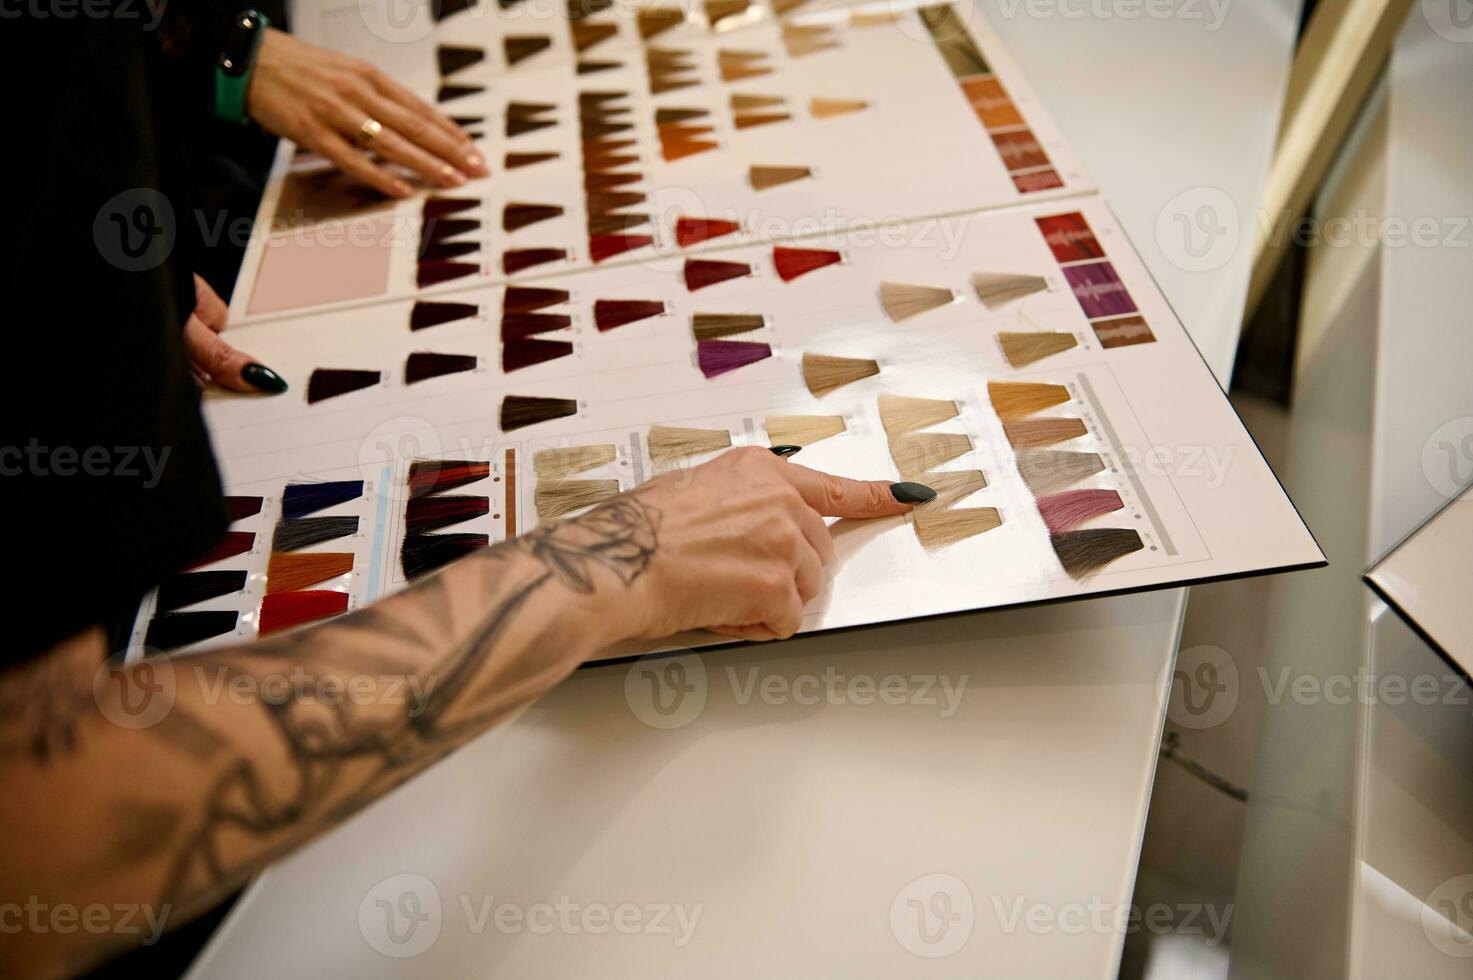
x=106, y=471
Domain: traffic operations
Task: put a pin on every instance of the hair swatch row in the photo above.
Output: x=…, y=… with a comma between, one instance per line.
x=431, y=507
x=1097, y=287
x=939, y=522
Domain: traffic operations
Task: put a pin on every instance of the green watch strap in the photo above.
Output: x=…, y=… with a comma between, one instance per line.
x=235, y=65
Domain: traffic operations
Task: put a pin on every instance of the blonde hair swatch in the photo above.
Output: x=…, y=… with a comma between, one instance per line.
x=1022, y=349
x=827, y=108
x=900, y=414
x=563, y=461
x=996, y=289
x=952, y=486
x=1047, y=471
x=670, y=442
x=915, y=454
x=555, y=498
x=1033, y=433
x=902, y=301
x=823, y=373
x=941, y=527
x=802, y=430
x=709, y=326
x=1016, y=399
x=764, y=177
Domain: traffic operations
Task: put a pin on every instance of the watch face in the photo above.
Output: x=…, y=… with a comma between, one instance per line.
x=235, y=60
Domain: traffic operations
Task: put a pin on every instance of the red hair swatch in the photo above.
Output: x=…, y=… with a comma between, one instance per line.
x=602, y=247
x=283, y=610
x=691, y=231
x=436, y=475
x=794, y=262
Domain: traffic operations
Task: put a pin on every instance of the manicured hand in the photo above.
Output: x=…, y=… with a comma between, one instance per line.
x=214, y=360
x=320, y=99
x=743, y=543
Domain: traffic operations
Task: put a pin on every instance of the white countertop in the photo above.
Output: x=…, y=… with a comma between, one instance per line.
x=804, y=831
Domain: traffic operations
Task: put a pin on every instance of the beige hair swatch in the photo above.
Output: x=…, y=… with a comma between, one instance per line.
x=902, y=301
x=670, y=442
x=1034, y=433
x=937, y=528
x=1047, y=471
x=900, y=414
x=951, y=486
x=996, y=289
x=563, y=461
x=1017, y=399
x=802, y=430
x=1022, y=349
x=918, y=452
x=554, y=498
x=823, y=373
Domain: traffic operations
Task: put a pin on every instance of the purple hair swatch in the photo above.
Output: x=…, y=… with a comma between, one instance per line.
x=716, y=357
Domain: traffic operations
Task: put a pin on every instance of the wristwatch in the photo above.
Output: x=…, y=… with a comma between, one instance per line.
x=233, y=70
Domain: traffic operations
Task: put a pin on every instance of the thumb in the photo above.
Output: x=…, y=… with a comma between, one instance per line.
x=837, y=496
x=226, y=366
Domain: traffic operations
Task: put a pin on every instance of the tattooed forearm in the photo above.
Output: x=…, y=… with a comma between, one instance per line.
x=344, y=755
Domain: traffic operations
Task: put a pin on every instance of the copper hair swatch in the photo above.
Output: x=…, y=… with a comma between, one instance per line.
x=289, y=571
x=1017, y=399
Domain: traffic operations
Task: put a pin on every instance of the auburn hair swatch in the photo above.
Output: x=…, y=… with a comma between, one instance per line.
x=561, y=462
x=554, y=498
x=288, y=571
x=823, y=373
x=900, y=414
x=435, y=511
x=1022, y=349
x=439, y=475
x=802, y=430
x=669, y=442
x=1018, y=399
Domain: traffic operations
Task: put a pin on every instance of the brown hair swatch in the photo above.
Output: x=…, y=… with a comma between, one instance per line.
x=1083, y=553
x=939, y=527
x=802, y=430
x=554, y=498
x=1035, y=433
x=902, y=301
x=899, y=414
x=763, y=178
x=670, y=442
x=561, y=462
x=823, y=373
x=520, y=411
x=709, y=326
x=1017, y=399
x=742, y=103
x=1022, y=349
x=288, y=571
x=916, y=453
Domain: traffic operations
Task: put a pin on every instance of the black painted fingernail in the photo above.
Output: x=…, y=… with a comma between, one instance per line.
x=784, y=450
x=912, y=493
x=262, y=377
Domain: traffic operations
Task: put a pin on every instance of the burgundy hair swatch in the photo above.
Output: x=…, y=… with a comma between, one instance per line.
x=239, y=508
x=518, y=326
x=424, y=365
x=431, y=273
x=426, y=314
x=611, y=313
x=332, y=382
x=439, y=229
x=517, y=216
x=434, y=512
x=518, y=354
x=233, y=543
x=700, y=273
x=517, y=259
x=525, y=299
x=716, y=357
x=445, y=251
x=443, y=207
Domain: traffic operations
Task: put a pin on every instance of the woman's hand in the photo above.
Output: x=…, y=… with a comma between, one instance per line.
x=742, y=543
x=321, y=99
x=212, y=359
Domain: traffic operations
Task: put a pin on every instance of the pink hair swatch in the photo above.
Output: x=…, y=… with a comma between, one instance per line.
x=1071, y=508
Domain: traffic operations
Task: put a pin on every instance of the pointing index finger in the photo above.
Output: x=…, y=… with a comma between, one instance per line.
x=837, y=496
